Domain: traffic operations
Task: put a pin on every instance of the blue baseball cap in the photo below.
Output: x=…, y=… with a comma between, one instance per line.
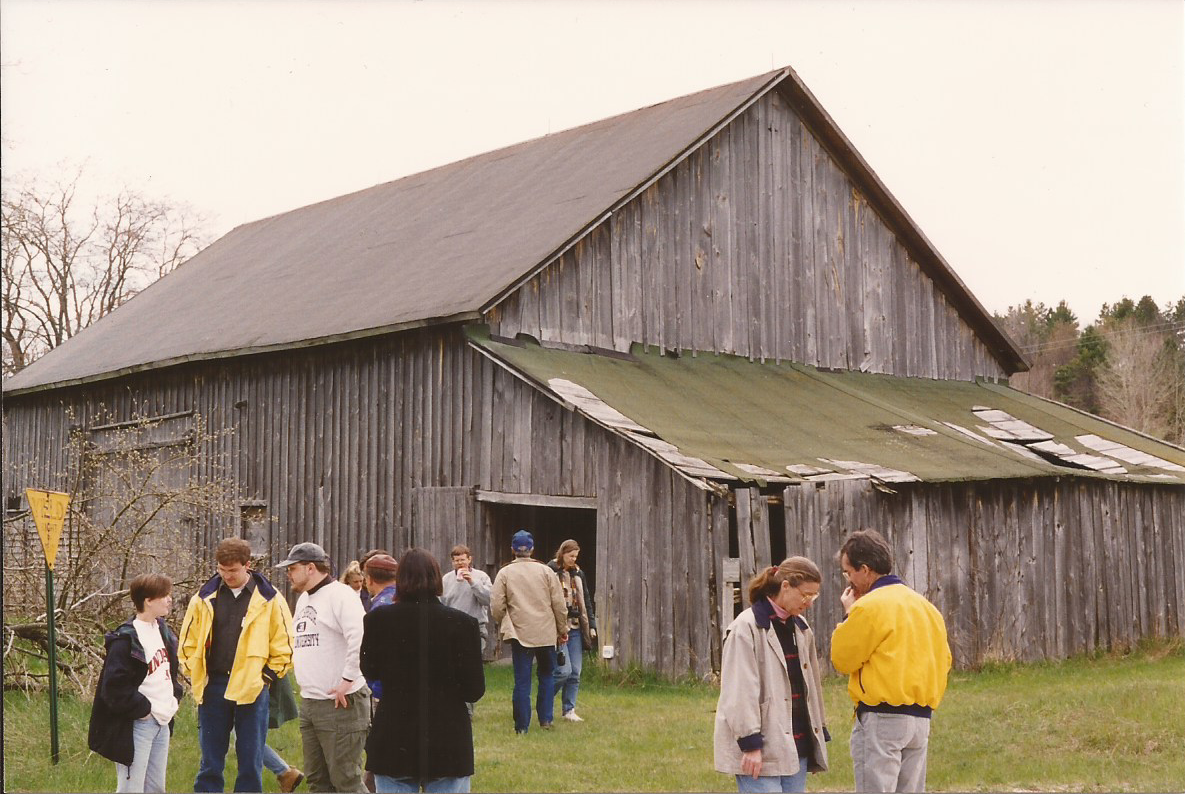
x=522, y=540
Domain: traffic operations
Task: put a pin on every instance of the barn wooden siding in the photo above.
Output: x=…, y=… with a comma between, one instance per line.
x=759, y=245
x=382, y=443
x=334, y=440
x=1026, y=570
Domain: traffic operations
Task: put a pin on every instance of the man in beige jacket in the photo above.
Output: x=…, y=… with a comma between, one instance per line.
x=528, y=604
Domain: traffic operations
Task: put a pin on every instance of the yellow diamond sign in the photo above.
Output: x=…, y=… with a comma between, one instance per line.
x=49, y=514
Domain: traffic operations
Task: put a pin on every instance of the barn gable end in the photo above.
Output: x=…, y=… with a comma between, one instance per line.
x=758, y=244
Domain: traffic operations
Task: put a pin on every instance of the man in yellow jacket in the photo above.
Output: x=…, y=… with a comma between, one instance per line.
x=892, y=644
x=235, y=640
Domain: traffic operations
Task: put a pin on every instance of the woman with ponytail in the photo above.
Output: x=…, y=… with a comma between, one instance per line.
x=770, y=726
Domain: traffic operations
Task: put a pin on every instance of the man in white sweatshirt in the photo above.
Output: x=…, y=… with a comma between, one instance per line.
x=335, y=703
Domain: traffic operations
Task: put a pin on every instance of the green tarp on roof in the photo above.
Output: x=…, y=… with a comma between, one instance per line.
x=722, y=416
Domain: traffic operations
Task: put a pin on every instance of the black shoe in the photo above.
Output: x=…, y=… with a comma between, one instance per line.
x=547, y=726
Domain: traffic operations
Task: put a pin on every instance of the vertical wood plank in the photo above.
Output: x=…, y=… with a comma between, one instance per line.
x=746, y=240
x=827, y=270
x=760, y=271
x=854, y=264
x=665, y=574
x=723, y=230
x=759, y=525
x=600, y=331
x=780, y=230
x=700, y=242
x=650, y=549
x=698, y=540
x=722, y=594
x=676, y=268
x=653, y=301
x=618, y=300
x=745, y=542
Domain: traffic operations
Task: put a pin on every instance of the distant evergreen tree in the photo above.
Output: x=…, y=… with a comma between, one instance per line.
x=1061, y=315
x=1128, y=365
x=1074, y=383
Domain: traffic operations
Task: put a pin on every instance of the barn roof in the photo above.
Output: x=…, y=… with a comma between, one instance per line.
x=728, y=418
x=439, y=246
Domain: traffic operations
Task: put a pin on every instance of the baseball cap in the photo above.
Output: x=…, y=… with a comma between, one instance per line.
x=304, y=552
x=522, y=540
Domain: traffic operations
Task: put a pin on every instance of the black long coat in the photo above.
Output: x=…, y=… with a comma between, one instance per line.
x=428, y=658
x=118, y=702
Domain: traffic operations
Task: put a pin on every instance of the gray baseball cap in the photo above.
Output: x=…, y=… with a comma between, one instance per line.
x=304, y=552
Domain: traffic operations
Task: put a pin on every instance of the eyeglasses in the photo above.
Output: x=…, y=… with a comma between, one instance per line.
x=809, y=597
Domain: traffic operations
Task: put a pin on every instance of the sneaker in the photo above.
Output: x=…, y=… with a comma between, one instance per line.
x=547, y=726
x=289, y=779
x=572, y=716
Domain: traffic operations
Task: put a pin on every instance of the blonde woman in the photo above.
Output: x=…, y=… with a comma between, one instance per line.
x=770, y=725
x=353, y=576
x=582, y=626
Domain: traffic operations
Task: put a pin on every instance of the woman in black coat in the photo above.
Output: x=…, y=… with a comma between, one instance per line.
x=428, y=658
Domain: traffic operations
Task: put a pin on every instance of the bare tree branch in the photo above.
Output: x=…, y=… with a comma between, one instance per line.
x=65, y=266
x=1136, y=386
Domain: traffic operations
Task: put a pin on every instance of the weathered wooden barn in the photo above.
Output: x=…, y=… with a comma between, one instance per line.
x=696, y=337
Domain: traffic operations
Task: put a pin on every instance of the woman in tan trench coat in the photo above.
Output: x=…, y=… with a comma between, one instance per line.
x=770, y=726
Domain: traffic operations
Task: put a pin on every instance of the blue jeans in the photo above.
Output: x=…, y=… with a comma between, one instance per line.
x=272, y=761
x=386, y=783
x=216, y=717
x=774, y=783
x=545, y=697
x=567, y=675
x=150, y=757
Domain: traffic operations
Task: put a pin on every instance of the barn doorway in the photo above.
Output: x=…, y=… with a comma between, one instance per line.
x=551, y=526
x=551, y=523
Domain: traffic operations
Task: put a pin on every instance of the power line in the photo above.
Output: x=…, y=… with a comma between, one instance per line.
x=1165, y=328
x=1070, y=344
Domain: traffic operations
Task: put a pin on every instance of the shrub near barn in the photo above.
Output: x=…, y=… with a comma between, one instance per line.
x=139, y=491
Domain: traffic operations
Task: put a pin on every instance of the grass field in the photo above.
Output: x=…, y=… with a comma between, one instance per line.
x=1109, y=723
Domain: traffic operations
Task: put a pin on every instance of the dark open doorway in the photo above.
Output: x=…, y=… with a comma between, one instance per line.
x=551, y=526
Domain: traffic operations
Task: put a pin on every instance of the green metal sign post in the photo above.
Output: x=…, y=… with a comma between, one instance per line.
x=49, y=510
x=54, y=754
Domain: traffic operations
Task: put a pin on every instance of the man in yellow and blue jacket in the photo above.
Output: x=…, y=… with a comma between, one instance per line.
x=235, y=640
x=892, y=644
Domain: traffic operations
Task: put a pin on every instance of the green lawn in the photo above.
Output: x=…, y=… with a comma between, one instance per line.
x=1112, y=723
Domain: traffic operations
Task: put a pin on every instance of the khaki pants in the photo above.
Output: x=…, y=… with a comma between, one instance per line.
x=333, y=740
x=889, y=752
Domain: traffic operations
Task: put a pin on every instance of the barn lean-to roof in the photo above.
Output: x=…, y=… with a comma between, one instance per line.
x=443, y=245
x=716, y=417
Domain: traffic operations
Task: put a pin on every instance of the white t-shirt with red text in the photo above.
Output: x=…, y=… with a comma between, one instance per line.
x=158, y=684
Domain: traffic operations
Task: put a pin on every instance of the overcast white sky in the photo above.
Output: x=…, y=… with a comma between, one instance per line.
x=1039, y=145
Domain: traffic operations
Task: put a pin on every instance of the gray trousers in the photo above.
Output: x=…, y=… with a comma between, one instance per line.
x=333, y=741
x=889, y=752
